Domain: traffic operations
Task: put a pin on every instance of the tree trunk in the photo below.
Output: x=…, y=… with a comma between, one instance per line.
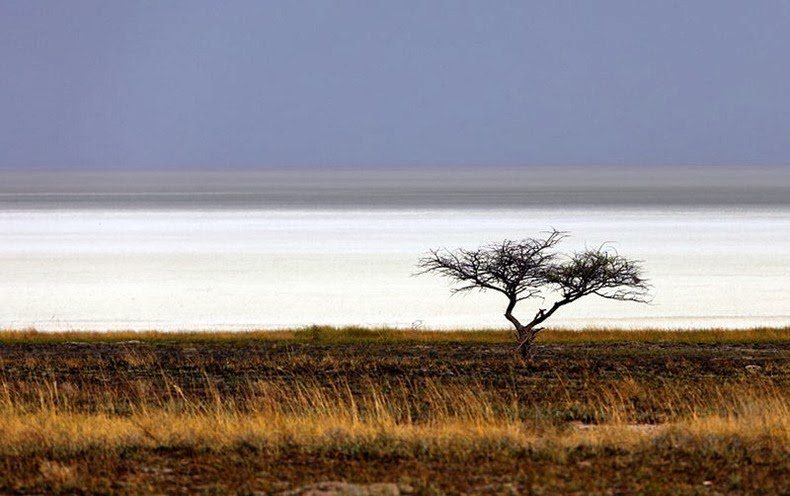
x=526, y=335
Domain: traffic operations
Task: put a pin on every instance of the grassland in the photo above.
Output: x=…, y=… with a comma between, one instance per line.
x=411, y=412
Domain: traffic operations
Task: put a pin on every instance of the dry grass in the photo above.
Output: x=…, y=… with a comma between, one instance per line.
x=438, y=418
x=156, y=412
x=329, y=334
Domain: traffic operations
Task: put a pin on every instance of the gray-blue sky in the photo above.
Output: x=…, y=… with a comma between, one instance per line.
x=374, y=83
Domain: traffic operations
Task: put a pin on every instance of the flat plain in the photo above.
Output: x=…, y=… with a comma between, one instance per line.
x=359, y=411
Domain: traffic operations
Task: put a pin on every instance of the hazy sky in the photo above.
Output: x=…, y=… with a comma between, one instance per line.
x=371, y=83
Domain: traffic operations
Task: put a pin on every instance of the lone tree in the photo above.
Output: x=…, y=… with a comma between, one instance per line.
x=531, y=268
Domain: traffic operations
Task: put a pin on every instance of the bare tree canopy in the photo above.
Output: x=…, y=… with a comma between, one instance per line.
x=532, y=268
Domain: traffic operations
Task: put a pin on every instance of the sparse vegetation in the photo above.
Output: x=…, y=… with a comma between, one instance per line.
x=597, y=411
